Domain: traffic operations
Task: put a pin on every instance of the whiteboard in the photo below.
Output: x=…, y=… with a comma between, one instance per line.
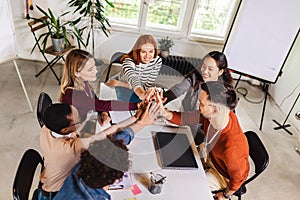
x=7, y=33
x=261, y=37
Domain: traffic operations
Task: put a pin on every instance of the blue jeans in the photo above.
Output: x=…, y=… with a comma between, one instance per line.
x=42, y=197
x=127, y=95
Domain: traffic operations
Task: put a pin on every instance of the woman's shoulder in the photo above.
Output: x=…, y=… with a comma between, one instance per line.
x=128, y=60
x=69, y=91
x=156, y=61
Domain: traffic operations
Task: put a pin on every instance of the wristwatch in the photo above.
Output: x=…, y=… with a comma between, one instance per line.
x=226, y=196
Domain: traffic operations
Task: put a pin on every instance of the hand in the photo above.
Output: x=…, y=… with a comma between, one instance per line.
x=91, y=115
x=219, y=196
x=141, y=109
x=104, y=119
x=143, y=105
x=149, y=116
x=111, y=83
x=163, y=99
x=160, y=99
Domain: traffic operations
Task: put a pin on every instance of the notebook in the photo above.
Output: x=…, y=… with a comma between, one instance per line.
x=174, y=151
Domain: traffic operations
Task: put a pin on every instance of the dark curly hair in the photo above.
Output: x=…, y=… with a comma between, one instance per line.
x=103, y=163
x=221, y=92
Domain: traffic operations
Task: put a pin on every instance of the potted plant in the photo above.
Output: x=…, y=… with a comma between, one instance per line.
x=58, y=31
x=165, y=45
x=91, y=16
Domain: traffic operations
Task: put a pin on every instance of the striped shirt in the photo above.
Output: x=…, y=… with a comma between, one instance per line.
x=142, y=75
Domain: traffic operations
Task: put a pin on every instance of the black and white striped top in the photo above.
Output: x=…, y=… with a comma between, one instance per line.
x=142, y=75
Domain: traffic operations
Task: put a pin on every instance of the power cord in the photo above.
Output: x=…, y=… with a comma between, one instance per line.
x=292, y=92
x=244, y=92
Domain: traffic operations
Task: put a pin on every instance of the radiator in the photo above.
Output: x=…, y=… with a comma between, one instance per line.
x=178, y=65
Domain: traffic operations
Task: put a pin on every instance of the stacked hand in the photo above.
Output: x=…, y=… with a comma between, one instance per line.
x=152, y=104
x=104, y=119
x=91, y=115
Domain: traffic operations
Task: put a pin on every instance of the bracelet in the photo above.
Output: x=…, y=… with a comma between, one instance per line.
x=226, y=196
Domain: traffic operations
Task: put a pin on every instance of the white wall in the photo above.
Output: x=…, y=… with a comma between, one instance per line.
x=287, y=87
x=105, y=47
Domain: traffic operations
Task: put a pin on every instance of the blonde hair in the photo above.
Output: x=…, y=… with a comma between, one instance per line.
x=75, y=61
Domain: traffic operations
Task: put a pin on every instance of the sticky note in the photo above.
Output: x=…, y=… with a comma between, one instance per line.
x=136, y=190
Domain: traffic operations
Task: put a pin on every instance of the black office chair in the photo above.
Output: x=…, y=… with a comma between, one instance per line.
x=44, y=102
x=115, y=58
x=258, y=155
x=25, y=174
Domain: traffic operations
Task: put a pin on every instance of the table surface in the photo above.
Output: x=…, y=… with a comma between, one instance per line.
x=179, y=184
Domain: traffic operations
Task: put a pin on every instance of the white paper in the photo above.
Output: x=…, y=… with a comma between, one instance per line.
x=107, y=93
x=118, y=116
x=124, y=183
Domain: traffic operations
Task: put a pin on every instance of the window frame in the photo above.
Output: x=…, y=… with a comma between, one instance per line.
x=182, y=31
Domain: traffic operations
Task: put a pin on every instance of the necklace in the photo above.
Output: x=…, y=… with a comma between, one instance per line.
x=204, y=150
x=213, y=137
x=89, y=92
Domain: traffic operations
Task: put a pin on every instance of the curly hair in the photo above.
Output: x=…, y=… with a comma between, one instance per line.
x=103, y=163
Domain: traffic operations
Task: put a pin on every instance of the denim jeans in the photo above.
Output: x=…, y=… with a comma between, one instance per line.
x=41, y=197
x=127, y=95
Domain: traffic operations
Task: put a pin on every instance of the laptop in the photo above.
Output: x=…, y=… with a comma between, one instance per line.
x=174, y=151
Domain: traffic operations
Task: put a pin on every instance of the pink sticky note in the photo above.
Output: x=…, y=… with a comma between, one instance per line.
x=136, y=190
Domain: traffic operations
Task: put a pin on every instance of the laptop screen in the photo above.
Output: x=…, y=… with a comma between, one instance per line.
x=174, y=150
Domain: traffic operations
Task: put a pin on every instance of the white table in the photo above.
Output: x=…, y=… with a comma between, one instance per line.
x=179, y=185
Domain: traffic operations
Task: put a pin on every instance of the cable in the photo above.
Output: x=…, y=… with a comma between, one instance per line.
x=244, y=93
x=289, y=95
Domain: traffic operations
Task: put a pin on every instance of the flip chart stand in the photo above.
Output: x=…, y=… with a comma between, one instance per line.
x=284, y=126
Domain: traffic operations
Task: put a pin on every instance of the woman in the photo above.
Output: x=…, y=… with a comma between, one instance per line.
x=213, y=68
x=140, y=67
x=79, y=70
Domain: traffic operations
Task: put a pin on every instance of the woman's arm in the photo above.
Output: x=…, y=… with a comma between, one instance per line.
x=177, y=90
x=129, y=74
x=114, y=105
x=114, y=83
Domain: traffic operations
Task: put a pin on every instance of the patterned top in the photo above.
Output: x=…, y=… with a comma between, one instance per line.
x=142, y=75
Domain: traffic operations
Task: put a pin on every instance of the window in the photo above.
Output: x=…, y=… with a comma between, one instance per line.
x=213, y=17
x=195, y=19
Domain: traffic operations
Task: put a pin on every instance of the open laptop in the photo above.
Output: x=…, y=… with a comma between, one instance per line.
x=174, y=151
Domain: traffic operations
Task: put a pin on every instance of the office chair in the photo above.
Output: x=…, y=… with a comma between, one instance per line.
x=115, y=58
x=260, y=158
x=44, y=102
x=25, y=174
x=37, y=27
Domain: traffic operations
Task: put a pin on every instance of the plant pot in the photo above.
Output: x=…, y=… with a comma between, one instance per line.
x=164, y=53
x=57, y=44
